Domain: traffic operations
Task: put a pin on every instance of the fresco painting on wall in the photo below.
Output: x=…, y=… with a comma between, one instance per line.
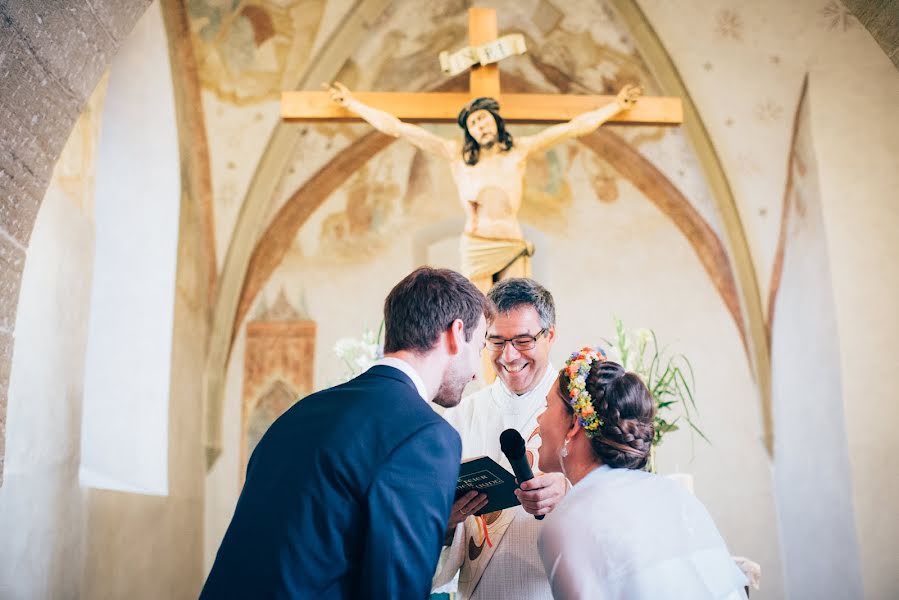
x=278, y=370
x=640, y=206
x=249, y=51
x=270, y=405
x=378, y=201
x=372, y=211
x=74, y=172
x=381, y=197
x=362, y=215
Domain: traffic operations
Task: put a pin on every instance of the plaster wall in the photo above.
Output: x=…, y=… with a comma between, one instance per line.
x=622, y=258
x=744, y=66
x=814, y=505
x=52, y=58
x=856, y=133
x=42, y=507
x=125, y=420
x=60, y=539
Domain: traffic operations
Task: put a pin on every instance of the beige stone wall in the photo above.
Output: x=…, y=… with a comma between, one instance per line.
x=61, y=540
x=42, y=553
x=147, y=546
x=608, y=247
x=853, y=106
x=53, y=56
x=744, y=65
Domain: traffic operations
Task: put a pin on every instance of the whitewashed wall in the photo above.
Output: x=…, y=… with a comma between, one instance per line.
x=41, y=503
x=743, y=65
x=126, y=388
x=57, y=538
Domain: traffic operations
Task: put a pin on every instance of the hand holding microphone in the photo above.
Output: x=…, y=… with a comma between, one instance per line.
x=538, y=495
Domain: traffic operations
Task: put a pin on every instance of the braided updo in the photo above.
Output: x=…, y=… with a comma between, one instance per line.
x=626, y=408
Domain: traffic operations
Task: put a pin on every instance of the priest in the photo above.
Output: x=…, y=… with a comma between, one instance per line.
x=495, y=555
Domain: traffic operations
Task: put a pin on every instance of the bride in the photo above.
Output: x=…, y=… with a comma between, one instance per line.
x=621, y=532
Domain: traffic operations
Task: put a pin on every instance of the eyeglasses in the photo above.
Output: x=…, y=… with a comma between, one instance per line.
x=519, y=342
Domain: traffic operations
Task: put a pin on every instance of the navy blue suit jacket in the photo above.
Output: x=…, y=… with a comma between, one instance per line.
x=347, y=495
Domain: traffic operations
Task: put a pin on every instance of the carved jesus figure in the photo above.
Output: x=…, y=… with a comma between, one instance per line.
x=488, y=168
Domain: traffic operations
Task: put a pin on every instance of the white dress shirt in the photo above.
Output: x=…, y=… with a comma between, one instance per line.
x=400, y=364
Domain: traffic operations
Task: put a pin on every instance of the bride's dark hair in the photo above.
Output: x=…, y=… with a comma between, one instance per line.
x=621, y=400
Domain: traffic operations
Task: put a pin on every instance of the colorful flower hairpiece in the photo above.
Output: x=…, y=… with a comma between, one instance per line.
x=577, y=368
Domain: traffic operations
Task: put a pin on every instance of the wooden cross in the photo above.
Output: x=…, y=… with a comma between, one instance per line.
x=444, y=107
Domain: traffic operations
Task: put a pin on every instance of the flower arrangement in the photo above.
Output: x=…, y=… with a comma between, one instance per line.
x=578, y=368
x=358, y=354
x=669, y=378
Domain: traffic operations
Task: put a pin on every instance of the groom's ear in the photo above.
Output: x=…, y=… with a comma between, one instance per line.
x=455, y=336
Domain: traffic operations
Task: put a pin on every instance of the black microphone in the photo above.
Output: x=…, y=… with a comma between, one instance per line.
x=512, y=445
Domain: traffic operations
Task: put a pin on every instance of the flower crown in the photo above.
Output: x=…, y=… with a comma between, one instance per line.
x=577, y=367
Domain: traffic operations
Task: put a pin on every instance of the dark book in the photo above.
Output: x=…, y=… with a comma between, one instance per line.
x=486, y=476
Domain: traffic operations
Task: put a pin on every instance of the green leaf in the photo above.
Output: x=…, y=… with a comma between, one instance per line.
x=663, y=384
x=677, y=378
x=668, y=376
x=686, y=385
x=697, y=430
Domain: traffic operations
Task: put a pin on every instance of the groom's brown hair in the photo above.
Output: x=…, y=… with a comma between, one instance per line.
x=425, y=303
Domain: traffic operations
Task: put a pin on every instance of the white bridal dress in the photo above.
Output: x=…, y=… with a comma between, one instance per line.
x=625, y=534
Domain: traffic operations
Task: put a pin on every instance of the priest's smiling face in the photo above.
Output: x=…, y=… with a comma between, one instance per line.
x=520, y=368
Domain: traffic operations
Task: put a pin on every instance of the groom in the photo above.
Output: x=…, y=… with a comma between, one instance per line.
x=348, y=493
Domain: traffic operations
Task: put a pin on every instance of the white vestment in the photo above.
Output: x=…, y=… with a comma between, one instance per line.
x=623, y=534
x=508, y=565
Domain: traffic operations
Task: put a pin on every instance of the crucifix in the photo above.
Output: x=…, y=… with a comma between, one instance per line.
x=488, y=164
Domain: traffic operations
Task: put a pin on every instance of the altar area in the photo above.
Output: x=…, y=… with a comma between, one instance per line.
x=743, y=209
x=623, y=222
x=631, y=221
